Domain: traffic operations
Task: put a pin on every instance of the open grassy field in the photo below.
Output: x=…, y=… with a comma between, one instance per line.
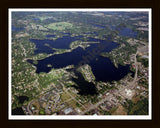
x=59, y=26
x=72, y=103
x=120, y=111
x=65, y=96
x=135, y=99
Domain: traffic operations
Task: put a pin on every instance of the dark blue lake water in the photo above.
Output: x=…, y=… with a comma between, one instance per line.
x=16, y=29
x=36, y=19
x=128, y=32
x=40, y=46
x=60, y=43
x=102, y=68
x=125, y=31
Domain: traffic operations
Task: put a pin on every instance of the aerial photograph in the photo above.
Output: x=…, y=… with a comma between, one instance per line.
x=83, y=63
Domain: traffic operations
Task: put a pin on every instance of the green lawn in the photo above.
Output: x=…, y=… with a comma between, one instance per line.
x=59, y=26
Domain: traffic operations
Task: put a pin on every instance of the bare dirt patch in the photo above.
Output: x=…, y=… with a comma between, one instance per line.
x=135, y=99
x=120, y=111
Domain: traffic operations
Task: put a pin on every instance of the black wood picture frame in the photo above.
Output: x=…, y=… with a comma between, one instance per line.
x=6, y=4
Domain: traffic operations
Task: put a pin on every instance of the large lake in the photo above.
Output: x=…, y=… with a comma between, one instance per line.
x=60, y=43
x=102, y=67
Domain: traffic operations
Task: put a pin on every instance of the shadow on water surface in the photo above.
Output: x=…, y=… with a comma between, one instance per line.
x=18, y=111
x=84, y=87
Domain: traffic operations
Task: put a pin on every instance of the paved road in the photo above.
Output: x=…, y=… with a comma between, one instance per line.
x=107, y=98
x=96, y=105
x=30, y=112
x=130, y=85
x=135, y=61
